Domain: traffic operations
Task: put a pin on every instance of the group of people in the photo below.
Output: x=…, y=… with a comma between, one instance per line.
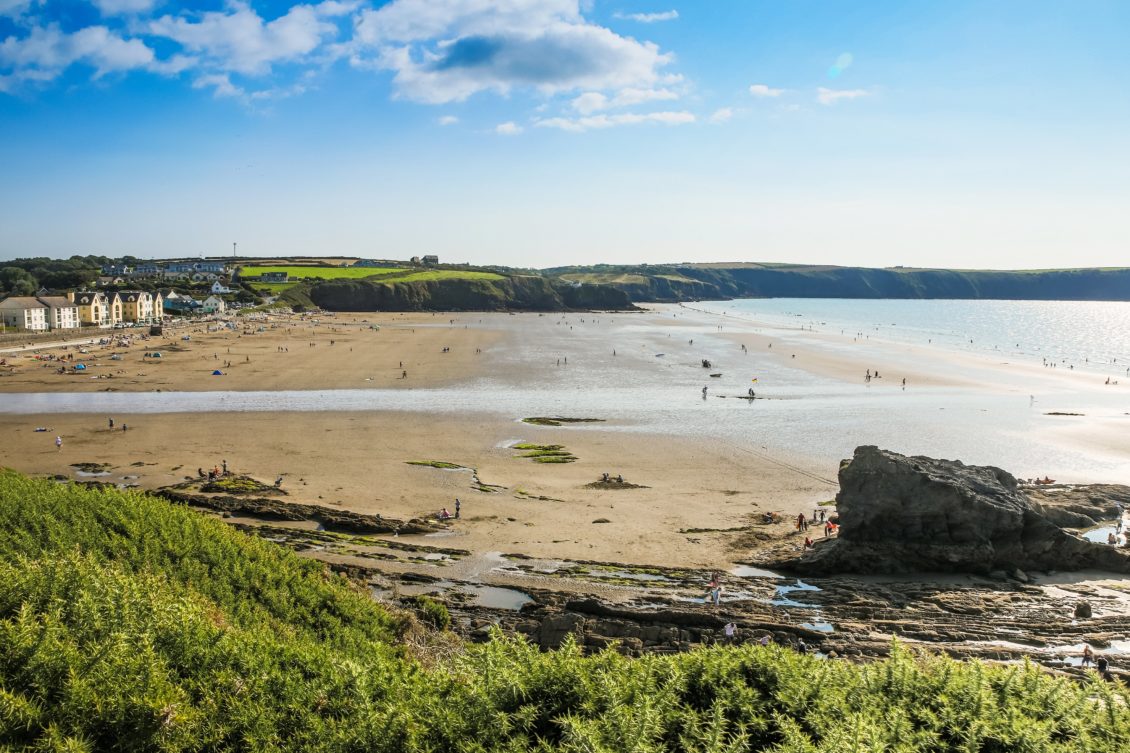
x=1102, y=664
x=445, y=514
x=218, y=471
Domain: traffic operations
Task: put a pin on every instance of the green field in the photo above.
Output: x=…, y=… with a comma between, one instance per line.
x=393, y=274
x=446, y=274
x=325, y=273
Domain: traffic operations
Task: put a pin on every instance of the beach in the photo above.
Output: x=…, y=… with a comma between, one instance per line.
x=346, y=407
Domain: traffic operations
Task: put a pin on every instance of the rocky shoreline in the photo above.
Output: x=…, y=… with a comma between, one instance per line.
x=981, y=605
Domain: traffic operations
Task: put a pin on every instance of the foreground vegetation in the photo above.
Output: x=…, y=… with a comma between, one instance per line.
x=127, y=623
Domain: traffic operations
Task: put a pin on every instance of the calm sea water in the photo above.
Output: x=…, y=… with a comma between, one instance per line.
x=1086, y=334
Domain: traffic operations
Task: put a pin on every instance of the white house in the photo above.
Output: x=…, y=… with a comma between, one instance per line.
x=218, y=288
x=23, y=312
x=62, y=312
x=213, y=304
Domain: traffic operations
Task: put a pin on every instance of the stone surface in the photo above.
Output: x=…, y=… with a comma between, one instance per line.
x=919, y=514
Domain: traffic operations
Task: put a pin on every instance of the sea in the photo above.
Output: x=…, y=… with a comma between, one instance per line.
x=1037, y=402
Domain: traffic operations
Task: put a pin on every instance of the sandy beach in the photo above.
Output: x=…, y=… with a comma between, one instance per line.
x=701, y=465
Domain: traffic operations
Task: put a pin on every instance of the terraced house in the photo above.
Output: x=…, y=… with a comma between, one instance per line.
x=23, y=312
x=61, y=313
x=97, y=309
x=141, y=306
x=43, y=312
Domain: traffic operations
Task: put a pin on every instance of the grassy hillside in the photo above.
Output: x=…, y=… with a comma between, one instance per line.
x=681, y=282
x=129, y=624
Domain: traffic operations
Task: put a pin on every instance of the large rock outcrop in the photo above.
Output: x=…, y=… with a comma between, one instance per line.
x=907, y=514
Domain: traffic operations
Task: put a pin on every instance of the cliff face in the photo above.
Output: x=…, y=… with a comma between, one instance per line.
x=907, y=514
x=720, y=281
x=526, y=293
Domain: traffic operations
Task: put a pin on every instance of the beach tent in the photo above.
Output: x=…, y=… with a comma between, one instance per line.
x=80, y=367
x=217, y=372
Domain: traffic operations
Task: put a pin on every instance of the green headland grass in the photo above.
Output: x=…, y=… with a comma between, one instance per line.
x=131, y=624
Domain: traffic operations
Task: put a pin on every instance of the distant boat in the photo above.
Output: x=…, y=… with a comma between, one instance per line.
x=716, y=375
x=660, y=355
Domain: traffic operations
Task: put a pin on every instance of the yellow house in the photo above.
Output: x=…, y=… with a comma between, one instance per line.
x=114, y=307
x=93, y=307
x=138, y=306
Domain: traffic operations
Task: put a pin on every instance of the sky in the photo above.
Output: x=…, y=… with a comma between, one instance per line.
x=538, y=133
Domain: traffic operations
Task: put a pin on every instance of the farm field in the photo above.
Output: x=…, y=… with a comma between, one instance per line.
x=326, y=273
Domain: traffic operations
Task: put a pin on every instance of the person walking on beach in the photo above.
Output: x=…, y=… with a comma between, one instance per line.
x=58, y=443
x=111, y=424
x=1088, y=655
x=457, y=506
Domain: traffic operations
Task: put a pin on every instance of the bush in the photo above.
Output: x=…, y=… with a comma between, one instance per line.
x=430, y=611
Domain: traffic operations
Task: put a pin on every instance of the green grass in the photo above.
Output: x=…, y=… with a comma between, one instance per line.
x=437, y=464
x=325, y=273
x=271, y=288
x=130, y=624
x=446, y=274
x=545, y=453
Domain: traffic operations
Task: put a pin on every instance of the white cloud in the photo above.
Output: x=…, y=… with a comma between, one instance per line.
x=649, y=18
x=447, y=50
x=832, y=96
x=609, y=121
x=509, y=128
x=46, y=52
x=122, y=7
x=239, y=40
x=222, y=84
x=447, y=120
x=722, y=115
x=761, y=90
x=14, y=7
x=591, y=102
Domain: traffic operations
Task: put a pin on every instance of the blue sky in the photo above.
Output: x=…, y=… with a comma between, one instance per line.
x=540, y=133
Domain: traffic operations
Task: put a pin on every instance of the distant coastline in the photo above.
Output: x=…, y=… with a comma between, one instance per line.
x=209, y=286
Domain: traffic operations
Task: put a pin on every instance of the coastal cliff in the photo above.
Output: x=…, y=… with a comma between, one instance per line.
x=919, y=514
x=518, y=292
x=687, y=282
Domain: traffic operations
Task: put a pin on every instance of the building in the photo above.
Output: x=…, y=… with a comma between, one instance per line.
x=273, y=277
x=430, y=260
x=93, y=307
x=115, y=270
x=139, y=306
x=219, y=288
x=213, y=304
x=114, y=307
x=62, y=313
x=190, y=267
x=23, y=312
x=181, y=304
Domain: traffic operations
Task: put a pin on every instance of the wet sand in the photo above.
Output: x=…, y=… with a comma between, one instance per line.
x=698, y=482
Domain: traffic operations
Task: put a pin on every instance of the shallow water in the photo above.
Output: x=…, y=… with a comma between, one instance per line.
x=807, y=421
x=1091, y=335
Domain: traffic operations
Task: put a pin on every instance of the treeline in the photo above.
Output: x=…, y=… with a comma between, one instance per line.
x=129, y=624
x=25, y=276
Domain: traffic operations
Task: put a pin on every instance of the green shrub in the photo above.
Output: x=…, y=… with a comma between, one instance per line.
x=430, y=611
